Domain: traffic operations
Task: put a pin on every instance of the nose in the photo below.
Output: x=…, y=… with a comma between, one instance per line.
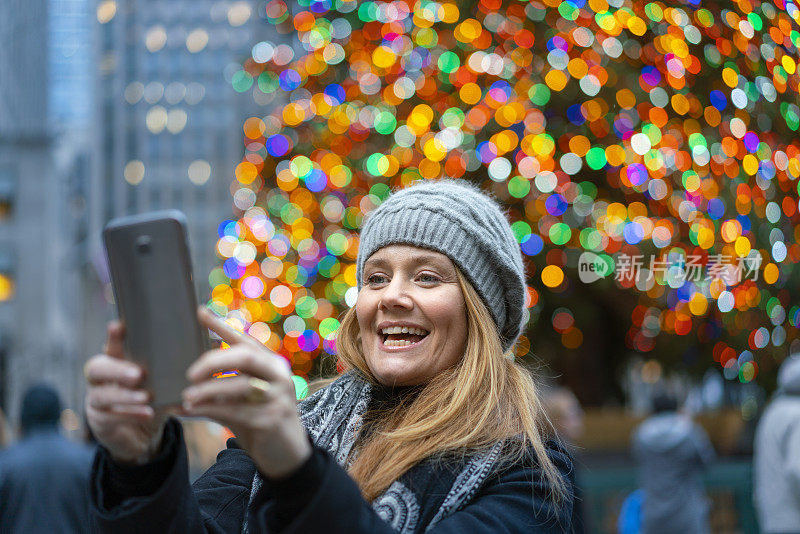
x=395, y=295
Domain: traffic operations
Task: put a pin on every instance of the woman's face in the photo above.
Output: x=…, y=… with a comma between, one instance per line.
x=412, y=315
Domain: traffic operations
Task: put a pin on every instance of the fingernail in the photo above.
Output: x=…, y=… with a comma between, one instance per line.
x=187, y=406
x=140, y=396
x=132, y=372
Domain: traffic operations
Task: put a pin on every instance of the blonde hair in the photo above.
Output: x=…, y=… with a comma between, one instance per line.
x=485, y=398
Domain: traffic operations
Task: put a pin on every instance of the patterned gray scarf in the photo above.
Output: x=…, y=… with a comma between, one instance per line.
x=332, y=416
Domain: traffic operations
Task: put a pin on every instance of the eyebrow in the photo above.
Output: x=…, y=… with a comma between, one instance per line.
x=416, y=260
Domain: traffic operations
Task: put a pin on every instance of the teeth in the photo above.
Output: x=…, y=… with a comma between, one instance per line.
x=397, y=343
x=404, y=330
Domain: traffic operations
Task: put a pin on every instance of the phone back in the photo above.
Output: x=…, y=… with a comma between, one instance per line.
x=151, y=274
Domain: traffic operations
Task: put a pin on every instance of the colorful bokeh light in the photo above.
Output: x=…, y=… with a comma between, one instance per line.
x=666, y=130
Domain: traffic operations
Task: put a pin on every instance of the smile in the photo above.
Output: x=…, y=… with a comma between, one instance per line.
x=395, y=337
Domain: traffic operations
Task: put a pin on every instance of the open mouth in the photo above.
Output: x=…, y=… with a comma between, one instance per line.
x=402, y=336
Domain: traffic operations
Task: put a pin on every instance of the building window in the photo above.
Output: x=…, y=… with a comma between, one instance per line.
x=8, y=190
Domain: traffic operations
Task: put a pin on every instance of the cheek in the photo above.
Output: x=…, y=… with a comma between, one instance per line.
x=364, y=310
x=450, y=315
x=365, y=314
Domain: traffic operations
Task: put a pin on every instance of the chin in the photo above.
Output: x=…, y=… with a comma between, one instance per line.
x=394, y=377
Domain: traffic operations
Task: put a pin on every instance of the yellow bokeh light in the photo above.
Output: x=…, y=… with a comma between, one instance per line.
x=470, y=93
x=750, y=164
x=579, y=145
x=577, y=68
x=254, y=127
x=6, y=288
x=222, y=294
x=705, y=238
x=637, y=26
x=789, y=65
x=552, y=276
x=742, y=246
x=698, y=305
x=450, y=13
x=730, y=77
x=246, y=172
x=771, y=273
x=383, y=57
x=434, y=150
x=556, y=80
x=469, y=30
x=106, y=11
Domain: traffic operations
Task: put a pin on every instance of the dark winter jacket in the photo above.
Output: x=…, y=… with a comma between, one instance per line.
x=672, y=453
x=776, y=458
x=44, y=485
x=448, y=494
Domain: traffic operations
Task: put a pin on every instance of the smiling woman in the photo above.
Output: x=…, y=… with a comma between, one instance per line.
x=433, y=427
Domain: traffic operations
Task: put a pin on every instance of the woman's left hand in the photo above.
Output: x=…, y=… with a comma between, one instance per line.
x=258, y=405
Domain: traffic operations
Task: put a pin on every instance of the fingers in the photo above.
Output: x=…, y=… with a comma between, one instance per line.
x=114, y=342
x=248, y=359
x=223, y=390
x=111, y=396
x=118, y=414
x=228, y=334
x=104, y=368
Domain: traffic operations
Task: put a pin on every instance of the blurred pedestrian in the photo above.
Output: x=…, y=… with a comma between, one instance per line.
x=776, y=455
x=3, y=430
x=566, y=415
x=671, y=452
x=44, y=477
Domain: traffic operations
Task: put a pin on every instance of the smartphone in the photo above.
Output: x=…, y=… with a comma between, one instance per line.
x=151, y=274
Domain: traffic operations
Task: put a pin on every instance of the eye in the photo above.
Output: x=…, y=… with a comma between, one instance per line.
x=377, y=279
x=428, y=278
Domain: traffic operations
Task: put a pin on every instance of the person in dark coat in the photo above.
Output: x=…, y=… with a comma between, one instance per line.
x=776, y=455
x=44, y=478
x=672, y=452
x=566, y=414
x=432, y=428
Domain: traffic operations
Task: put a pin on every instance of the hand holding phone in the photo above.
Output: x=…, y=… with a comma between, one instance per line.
x=117, y=409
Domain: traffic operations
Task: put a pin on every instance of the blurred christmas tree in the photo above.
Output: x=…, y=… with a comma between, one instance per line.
x=652, y=142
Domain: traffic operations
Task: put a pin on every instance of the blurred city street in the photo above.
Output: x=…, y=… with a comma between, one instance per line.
x=646, y=153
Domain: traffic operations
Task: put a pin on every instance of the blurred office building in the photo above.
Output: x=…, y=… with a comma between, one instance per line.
x=107, y=109
x=44, y=167
x=168, y=124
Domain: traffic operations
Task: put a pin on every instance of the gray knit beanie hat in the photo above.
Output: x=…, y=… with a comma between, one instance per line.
x=463, y=223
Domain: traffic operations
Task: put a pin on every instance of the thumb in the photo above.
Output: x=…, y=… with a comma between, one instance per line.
x=115, y=340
